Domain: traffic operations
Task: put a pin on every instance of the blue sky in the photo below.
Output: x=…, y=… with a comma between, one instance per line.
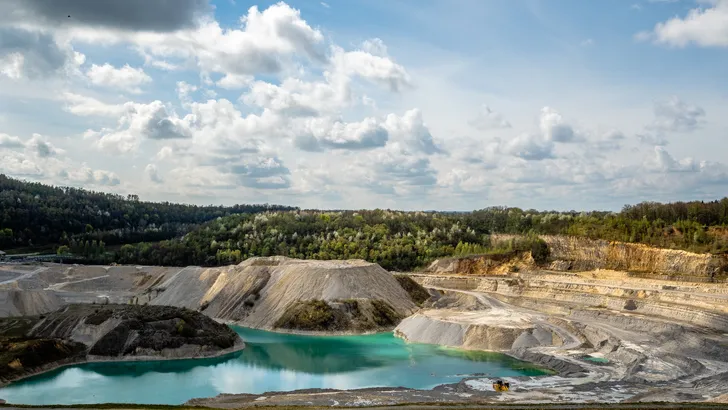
x=360, y=104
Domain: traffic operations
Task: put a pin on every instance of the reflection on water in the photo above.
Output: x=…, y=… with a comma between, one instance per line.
x=270, y=362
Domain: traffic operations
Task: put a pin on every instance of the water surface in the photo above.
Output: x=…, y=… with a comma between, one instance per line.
x=269, y=362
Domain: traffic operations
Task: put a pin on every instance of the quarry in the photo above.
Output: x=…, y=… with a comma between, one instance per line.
x=611, y=322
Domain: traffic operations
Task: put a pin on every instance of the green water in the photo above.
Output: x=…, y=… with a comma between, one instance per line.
x=270, y=362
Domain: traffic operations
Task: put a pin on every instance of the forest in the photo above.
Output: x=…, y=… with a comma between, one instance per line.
x=34, y=214
x=83, y=223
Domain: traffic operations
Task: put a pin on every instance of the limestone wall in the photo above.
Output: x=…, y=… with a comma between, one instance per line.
x=580, y=254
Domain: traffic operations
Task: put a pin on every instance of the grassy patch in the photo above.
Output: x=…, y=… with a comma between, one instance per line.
x=313, y=315
x=418, y=294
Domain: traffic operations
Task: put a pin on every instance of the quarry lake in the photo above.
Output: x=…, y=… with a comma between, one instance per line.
x=269, y=362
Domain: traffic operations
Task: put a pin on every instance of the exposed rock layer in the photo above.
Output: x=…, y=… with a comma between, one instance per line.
x=579, y=254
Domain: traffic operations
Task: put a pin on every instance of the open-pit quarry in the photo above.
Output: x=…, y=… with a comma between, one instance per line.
x=613, y=322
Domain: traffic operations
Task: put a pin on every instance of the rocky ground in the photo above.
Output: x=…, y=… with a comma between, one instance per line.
x=78, y=333
x=612, y=337
x=619, y=323
x=345, y=296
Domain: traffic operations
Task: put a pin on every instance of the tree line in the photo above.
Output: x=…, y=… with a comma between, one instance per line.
x=110, y=228
x=33, y=214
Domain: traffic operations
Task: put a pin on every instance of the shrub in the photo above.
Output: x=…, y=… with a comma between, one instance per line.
x=540, y=251
x=383, y=313
x=314, y=315
x=418, y=293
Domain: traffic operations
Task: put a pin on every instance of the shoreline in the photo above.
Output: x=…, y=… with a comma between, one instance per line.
x=101, y=359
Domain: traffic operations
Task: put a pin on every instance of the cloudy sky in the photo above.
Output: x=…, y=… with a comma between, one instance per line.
x=408, y=104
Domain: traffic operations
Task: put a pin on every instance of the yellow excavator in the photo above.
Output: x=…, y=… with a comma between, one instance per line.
x=501, y=386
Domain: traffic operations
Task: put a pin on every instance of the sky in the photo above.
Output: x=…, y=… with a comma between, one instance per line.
x=351, y=104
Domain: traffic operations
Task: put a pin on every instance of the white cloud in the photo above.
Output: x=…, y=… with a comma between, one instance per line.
x=663, y=161
x=555, y=129
x=377, y=69
x=184, y=90
x=587, y=42
x=677, y=115
x=321, y=133
x=326, y=5
x=529, y=147
x=10, y=142
x=704, y=27
x=392, y=171
x=87, y=106
x=153, y=121
x=261, y=45
x=125, y=78
x=297, y=98
x=412, y=131
x=86, y=175
x=41, y=147
x=152, y=173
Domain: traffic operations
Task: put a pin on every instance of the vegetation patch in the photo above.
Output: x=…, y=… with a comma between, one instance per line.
x=383, y=313
x=98, y=317
x=313, y=315
x=418, y=293
x=19, y=356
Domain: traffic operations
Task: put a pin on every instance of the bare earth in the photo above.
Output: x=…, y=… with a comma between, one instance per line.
x=612, y=337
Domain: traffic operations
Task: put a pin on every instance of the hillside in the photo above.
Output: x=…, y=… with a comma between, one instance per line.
x=165, y=234
x=407, y=240
x=33, y=214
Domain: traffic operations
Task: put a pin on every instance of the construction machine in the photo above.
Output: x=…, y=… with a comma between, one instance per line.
x=501, y=386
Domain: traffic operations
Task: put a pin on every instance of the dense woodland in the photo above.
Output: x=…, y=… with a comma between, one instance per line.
x=33, y=214
x=85, y=223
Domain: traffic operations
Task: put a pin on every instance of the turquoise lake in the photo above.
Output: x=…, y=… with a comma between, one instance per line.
x=269, y=362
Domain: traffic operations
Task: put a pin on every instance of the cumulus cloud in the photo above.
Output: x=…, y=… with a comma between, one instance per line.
x=86, y=175
x=374, y=68
x=152, y=173
x=413, y=132
x=555, y=129
x=704, y=27
x=261, y=172
x=10, y=142
x=478, y=152
x=488, y=119
x=663, y=161
x=262, y=44
x=677, y=115
x=41, y=147
x=464, y=181
x=529, y=147
x=321, y=133
x=297, y=98
x=152, y=121
x=126, y=77
x=184, y=90
x=36, y=164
